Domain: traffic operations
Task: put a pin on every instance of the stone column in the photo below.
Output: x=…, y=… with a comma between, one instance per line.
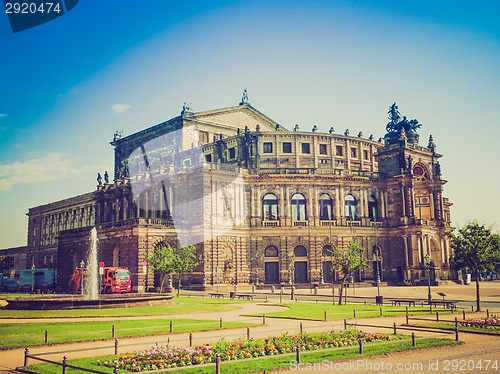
x=342, y=202
x=259, y=202
x=405, y=240
x=420, y=249
x=287, y=204
x=282, y=204
x=337, y=203
x=365, y=205
x=412, y=201
x=433, y=211
x=252, y=200
x=403, y=198
x=382, y=204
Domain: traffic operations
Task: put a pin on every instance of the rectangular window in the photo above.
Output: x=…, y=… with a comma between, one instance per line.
x=232, y=153
x=353, y=152
x=322, y=149
x=287, y=147
x=267, y=147
x=339, y=150
x=203, y=137
x=208, y=158
x=306, y=148
x=365, y=154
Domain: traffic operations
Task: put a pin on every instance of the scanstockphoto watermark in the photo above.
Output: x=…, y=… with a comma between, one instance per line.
x=365, y=365
x=25, y=15
x=169, y=174
x=355, y=365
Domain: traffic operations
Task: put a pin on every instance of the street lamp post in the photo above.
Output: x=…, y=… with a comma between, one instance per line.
x=217, y=278
x=32, y=277
x=82, y=265
x=428, y=260
x=291, y=274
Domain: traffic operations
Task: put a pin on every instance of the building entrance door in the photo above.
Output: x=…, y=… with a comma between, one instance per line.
x=327, y=272
x=300, y=271
x=272, y=272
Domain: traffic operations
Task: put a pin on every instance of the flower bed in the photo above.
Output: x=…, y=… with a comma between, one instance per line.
x=492, y=323
x=159, y=357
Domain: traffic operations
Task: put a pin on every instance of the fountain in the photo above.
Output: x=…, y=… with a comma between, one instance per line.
x=90, y=298
x=91, y=289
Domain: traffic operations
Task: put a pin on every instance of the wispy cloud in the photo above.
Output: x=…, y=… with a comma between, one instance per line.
x=3, y=115
x=119, y=108
x=47, y=168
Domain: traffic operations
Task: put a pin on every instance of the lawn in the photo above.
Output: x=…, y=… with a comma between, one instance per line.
x=451, y=326
x=265, y=363
x=15, y=335
x=5, y=296
x=181, y=305
x=316, y=311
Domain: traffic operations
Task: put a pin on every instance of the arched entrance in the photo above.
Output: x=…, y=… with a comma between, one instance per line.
x=271, y=265
x=328, y=275
x=300, y=264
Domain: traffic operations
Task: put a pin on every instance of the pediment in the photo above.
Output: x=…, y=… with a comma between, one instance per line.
x=237, y=117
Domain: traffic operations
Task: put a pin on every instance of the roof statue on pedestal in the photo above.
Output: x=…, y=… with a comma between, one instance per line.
x=397, y=122
x=244, y=98
x=186, y=108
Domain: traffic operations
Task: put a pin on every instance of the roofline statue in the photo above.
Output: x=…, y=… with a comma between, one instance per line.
x=398, y=122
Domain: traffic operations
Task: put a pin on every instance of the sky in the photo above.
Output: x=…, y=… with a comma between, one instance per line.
x=66, y=86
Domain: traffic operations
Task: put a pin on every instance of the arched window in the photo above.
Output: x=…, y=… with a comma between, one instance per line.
x=271, y=251
x=300, y=251
x=325, y=207
x=271, y=265
x=420, y=171
x=327, y=250
x=270, y=207
x=372, y=209
x=350, y=208
x=298, y=207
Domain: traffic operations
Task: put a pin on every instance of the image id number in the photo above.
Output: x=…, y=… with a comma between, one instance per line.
x=469, y=365
x=31, y=8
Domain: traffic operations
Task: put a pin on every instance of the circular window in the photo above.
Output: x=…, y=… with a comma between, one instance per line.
x=417, y=170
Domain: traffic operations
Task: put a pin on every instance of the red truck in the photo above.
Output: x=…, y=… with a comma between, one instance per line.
x=115, y=280
x=112, y=280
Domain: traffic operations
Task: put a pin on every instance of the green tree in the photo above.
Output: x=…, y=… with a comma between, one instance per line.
x=162, y=261
x=167, y=260
x=185, y=260
x=475, y=250
x=346, y=262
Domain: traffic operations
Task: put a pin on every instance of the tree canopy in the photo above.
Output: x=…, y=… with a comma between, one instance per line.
x=167, y=260
x=348, y=261
x=476, y=250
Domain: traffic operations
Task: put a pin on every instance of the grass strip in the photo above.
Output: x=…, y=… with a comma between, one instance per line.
x=16, y=335
x=451, y=326
x=316, y=312
x=265, y=363
x=182, y=305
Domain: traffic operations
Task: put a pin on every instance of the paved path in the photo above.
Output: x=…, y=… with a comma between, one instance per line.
x=475, y=349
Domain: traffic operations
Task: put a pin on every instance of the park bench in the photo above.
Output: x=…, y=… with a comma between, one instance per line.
x=449, y=304
x=245, y=297
x=217, y=295
x=395, y=302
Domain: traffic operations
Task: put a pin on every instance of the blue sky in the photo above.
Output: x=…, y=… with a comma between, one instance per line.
x=68, y=85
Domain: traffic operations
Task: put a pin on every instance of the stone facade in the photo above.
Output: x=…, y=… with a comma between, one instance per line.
x=262, y=204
